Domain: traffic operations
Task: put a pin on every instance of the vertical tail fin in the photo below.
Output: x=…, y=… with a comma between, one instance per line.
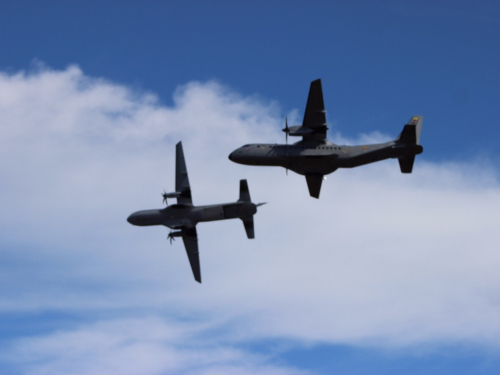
x=248, y=223
x=248, y=218
x=410, y=136
x=244, y=192
x=411, y=131
x=406, y=163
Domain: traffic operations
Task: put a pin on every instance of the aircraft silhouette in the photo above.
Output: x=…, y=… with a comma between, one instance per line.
x=315, y=156
x=184, y=216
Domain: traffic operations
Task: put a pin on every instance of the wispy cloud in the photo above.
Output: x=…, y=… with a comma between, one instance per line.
x=138, y=346
x=382, y=259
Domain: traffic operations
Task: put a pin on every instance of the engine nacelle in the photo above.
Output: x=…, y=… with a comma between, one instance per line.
x=175, y=194
x=300, y=131
x=177, y=233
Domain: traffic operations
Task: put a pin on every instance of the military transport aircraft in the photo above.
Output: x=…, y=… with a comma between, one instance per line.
x=183, y=216
x=315, y=156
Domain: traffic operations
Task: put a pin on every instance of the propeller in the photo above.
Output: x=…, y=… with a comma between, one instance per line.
x=171, y=237
x=260, y=204
x=286, y=130
x=164, y=195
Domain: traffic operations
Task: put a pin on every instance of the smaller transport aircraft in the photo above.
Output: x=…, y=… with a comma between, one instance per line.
x=183, y=216
x=315, y=156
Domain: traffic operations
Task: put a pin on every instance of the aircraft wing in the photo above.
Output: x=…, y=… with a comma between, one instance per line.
x=315, y=115
x=314, y=184
x=181, y=177
x=190, y=239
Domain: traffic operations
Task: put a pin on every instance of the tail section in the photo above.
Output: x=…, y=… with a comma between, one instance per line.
x=248, y=223
x=247, y=210
x=410, y=140
x=247, y=219
x=411, y=131
x=244, y=192
x=406, y=163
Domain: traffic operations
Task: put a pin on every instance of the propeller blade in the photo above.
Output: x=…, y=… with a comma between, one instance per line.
x=170, y=237
x=286, y=131
x=260, y=204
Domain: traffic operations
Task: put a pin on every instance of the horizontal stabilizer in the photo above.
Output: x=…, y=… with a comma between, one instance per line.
x=248, y=223
x=406, y=163
x=314, y=184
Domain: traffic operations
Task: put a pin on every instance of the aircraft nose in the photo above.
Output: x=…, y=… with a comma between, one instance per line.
x=132, y=219
x=231, y=156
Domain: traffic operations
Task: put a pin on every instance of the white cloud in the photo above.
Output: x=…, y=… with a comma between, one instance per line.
x=381, y=259
x=137, y=346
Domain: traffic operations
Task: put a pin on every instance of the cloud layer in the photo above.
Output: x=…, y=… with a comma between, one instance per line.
x=382, y=259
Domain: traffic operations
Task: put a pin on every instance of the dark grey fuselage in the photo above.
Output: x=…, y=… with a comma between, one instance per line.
x=180, y=216
x=320, y=157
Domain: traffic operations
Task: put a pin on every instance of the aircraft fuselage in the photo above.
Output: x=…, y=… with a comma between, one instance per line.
x=178, y=216
x=320, y=158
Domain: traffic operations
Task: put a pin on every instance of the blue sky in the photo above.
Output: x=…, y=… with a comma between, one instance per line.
x=386, y=273
x=376, y=60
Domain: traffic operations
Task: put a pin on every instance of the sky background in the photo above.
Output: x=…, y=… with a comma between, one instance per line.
x=385, y=273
